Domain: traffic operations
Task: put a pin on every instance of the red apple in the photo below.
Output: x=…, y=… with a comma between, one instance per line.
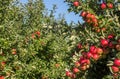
x=88, y=15
x=117, y=62
x=68, y=73
x=38, y=33
x=94, y=20
x=93, y=49
x=92, y=16
x=104, y=42
x=83, y=61
x=115, y=69
x=103, y=6
x=2, y=77
x=83, y=67
x=76, y=70
x=76, y=3
x=89, y=55
x=111, y=36
x=95, y=57
x=77, y=64
x=87, y=61
x=83, y=13
x=99, y=50
x=110, y=5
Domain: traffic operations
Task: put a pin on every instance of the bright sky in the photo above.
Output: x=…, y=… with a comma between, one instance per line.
x=61, y=9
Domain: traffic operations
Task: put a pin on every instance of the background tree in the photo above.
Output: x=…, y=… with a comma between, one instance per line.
x=32, y=43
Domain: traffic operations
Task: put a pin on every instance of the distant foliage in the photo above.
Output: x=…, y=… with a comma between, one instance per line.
x=33, y=45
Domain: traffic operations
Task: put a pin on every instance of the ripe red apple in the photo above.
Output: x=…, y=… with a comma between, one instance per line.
x=104, y=42
x=93, y=49
x=83, y=61
x=89, y=55
x=88, y=15
x=76, y=3
x=92, y=16
x=117, y=62
x=111, y=36
x=75, y=70
x=68, y=73
x=83, y=13
x=38, y=33
x=77, y=63
x=94, y=20
x=2, y=77
x=83, y=67
x=115, y=69
x=87, y=61
x=110, y=5
x=99, y=50
x=95, y=57
x=103, y=6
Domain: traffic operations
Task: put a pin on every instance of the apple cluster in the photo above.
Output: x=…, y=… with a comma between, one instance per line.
x=116, y=67
x=106, y=5
x=89, y=18
x=13, y=52
x=36, y=34
x=94, y=54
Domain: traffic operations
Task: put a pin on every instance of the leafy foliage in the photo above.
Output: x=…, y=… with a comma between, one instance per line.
x=32, y=43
